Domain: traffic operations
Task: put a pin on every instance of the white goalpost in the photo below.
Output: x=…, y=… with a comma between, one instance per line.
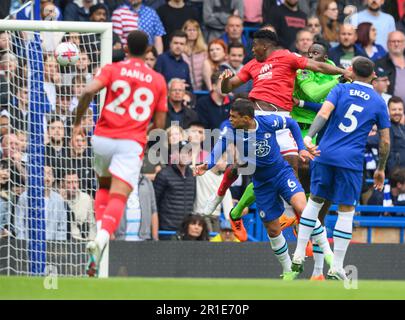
x=47, y=182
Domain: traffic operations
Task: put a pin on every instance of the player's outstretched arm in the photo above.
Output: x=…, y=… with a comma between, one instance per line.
x=84, y=101
x=328, y=69
x=318, y=123
x=383, y=152
x=229, y=81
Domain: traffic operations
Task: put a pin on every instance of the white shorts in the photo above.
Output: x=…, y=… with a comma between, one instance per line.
x=285, y=139
x=118, y=158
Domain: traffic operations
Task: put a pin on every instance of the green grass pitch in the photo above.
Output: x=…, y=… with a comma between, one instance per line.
x=195, y=289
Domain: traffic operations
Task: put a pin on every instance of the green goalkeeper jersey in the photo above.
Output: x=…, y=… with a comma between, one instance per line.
x=313, y=87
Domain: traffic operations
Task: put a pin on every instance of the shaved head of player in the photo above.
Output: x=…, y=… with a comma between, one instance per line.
x=318, y=52
x=137, y=44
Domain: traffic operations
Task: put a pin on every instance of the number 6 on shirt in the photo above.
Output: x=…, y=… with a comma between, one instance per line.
x=138, y=102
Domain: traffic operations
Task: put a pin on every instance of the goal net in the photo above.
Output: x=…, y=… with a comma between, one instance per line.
x=47, y=182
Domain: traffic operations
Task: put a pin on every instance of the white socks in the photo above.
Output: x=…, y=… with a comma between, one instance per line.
x=280, y=248
x=341, y=237
x=318, y=259
x=102, y=238
x=308, y=221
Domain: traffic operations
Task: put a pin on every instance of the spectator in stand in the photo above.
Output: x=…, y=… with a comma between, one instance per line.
x=175, y=189
x=56, y=216
x=23, y=144
x=314, y=26
x=252, y=10
x=54, y=148
x=5, y=8
x=195, y=52
x=381, y=83
x=366, y=36
x=83, y=224
x=133, y=15
x=397, y=134
x=206, y=185
x=217, y=50
x=177, y=111
x=226, y=233
x=236, y=54
x=189, y=100
x=155, y=4
x=151, y=56
x=171, y=64
x=288, y=19
x=78, y=158
x=4, y=123
x=328, y=12
x=173, y=15
x=99, y=13
x=393, y=195
x=196, y=137
x=140, y=221
x=74, y=12
x=5, y=41
x=234, y=34
x=216, y=13
x=12, y=161
x=214, y=108
x=193, y=228
x=394, y=64
x=383, y=22
x=18, y=111
x=304, y=40
x=347, y=49
x=83, y=66
x=52, y=79
x=64, y=96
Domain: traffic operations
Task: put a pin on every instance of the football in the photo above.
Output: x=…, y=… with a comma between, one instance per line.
x=67, y=54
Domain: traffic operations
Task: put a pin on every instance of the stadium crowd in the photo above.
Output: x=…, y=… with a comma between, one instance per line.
x=191, y=43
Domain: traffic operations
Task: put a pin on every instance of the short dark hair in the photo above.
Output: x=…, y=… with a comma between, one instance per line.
x=395, y=99
x=137, y=42
x=363, y=67
x=266, y=35
x=153, y=50
x=237, y=45
x=178, y=33
x=244, y=107
x=53, y=118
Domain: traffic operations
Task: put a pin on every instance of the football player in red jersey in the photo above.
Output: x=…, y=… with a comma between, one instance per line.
x=134, y=94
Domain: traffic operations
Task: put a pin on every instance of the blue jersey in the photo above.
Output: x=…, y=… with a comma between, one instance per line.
x=357, y=108
x=258, y=147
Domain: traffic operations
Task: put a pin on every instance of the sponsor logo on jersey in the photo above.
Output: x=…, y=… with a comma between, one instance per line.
x=262, y=148
x=266, y=72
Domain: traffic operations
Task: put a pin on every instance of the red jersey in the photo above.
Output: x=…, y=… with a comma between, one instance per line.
x=134, y=93
x=273, y=79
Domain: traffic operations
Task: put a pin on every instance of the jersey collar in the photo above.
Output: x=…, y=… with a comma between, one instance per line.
x=364, y=84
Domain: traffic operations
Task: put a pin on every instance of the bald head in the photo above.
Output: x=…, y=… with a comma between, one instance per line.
x=396, y=43
x=347, y=35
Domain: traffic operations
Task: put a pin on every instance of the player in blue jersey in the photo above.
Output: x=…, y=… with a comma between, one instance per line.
x=336, y=175
x=255, y=140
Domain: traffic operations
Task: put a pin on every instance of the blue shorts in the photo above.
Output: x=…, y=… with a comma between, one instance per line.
x=268, y=201
x=339, y=185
